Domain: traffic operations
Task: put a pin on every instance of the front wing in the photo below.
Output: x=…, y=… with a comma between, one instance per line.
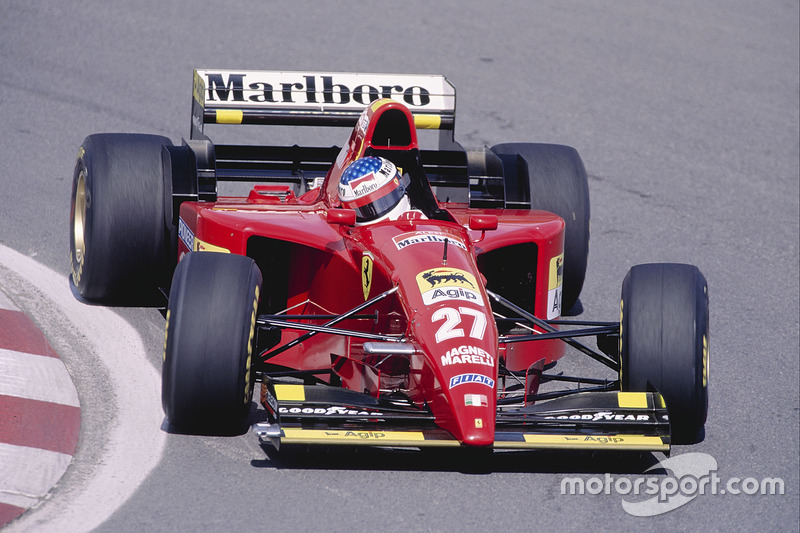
x=325, y=415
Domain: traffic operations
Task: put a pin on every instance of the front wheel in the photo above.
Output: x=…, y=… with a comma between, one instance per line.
x=207, y=381
x=664, y=342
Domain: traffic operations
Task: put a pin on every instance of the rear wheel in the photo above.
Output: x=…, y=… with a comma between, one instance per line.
x=119, y=238
x=552, y=178
x=207, y=382
x=664, y=342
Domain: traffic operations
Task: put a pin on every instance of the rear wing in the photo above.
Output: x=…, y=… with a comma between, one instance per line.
x=294, y=98
x=315, y=98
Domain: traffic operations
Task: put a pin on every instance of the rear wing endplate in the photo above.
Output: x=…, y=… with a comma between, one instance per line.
x=314, y=98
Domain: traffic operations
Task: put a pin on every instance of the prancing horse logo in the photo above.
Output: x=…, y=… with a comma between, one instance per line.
x=366, y=273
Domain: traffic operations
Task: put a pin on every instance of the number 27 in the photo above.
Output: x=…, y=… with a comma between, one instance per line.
x=452, y=318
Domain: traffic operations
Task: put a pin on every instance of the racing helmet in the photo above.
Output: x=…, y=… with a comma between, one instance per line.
x=374, y=189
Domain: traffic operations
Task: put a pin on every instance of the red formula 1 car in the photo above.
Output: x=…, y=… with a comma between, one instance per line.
x=439, y=326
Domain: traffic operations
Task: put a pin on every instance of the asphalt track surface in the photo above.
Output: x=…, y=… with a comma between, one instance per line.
x=686, y=116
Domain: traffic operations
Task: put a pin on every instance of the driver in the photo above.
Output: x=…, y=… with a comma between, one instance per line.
x=374, y=189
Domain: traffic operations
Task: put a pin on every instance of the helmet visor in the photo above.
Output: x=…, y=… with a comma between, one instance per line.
x=377, y=204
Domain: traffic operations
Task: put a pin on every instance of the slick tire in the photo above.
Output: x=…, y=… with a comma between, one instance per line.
x=664, y=342
x=119, y=239
x=207, y=382
x=552, y=178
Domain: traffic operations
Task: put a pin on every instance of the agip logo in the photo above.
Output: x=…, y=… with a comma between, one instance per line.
x=440, y=284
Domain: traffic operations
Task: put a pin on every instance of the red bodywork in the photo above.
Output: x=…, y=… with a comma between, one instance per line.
x=440, y=306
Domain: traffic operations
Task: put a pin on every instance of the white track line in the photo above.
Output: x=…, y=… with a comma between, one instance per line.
x=135, y=442
x=36, y=377
x=28, y=473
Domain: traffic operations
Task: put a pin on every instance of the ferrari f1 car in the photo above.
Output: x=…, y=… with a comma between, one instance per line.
x=438, y=328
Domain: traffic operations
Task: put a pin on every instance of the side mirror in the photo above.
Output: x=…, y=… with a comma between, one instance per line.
x=344, y=217
x=483, y=222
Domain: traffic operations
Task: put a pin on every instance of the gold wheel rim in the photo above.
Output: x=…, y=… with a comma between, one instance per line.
x=79, y=220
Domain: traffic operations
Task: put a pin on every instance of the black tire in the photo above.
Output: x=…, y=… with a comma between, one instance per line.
x=664, y=342
x=119, y=238
x=552, y=178
x=207, y=382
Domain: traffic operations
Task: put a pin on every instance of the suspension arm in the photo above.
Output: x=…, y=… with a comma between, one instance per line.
x=354, y=311
x=601, y=358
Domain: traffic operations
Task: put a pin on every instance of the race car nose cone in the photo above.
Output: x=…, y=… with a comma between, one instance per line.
x=480, y=438
x=477, y=423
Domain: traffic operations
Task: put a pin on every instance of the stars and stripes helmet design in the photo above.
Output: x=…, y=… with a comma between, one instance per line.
x=372, y=187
